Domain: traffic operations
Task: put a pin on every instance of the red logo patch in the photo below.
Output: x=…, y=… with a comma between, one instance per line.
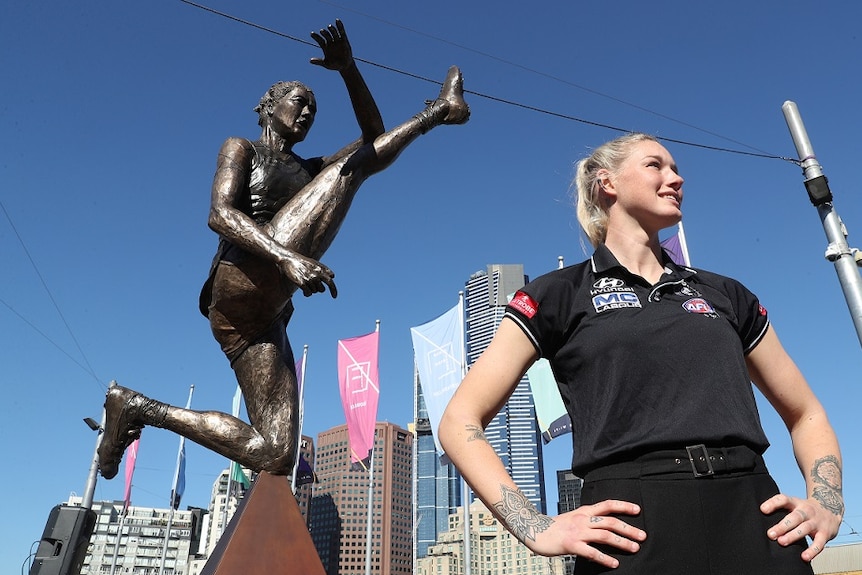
x=524, y=304
x=762, y=310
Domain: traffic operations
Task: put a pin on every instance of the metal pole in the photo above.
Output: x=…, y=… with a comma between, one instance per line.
x=838, y=251
x=90, y=487
x=174, y=487
x=465, y=489
x=369, y=522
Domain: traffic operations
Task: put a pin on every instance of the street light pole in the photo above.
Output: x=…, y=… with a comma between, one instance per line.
x=845, y=259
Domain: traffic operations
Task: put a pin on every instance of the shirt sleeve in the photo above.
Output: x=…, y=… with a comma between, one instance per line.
x=542, y=309
x=752, y=319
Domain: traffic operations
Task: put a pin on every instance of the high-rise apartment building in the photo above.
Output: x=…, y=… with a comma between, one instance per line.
x=224, y=499
x=493, y=550
x=438, y=486
x=514, y=432
x=339, y=510
x=137, y=543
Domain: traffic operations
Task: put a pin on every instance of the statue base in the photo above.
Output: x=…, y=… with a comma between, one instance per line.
x=266, y=535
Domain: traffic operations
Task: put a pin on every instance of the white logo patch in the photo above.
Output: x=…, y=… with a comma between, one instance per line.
x=615, y=300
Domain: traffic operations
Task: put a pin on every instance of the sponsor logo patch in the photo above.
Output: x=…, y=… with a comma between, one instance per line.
x=761, y=310
x=609, y=283
x=615, y=300
x=699, y=305
x=524, y=304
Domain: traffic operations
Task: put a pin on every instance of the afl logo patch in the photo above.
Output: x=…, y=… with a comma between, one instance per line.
x=524, y=304
x=699, y=305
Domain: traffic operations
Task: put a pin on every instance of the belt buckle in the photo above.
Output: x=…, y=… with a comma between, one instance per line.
x=699, y=458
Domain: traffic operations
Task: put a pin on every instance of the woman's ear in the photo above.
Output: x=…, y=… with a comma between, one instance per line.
x=606, y=185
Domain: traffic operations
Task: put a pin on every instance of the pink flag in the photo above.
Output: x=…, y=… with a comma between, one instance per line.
x=358, y=383
x=131, y=458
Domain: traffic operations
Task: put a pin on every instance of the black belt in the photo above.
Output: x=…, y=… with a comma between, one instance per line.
x=697, y=461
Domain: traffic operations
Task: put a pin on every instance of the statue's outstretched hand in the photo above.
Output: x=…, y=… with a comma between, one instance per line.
x=337, y=53
x=309, y=275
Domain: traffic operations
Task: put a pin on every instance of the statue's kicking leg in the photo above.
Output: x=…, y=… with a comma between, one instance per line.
x=323, y=204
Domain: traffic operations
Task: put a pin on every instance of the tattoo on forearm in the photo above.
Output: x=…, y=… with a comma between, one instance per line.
x=520, y=515
x=476, y=433
x=826, y=472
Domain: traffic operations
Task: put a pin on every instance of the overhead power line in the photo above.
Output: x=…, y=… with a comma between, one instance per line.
x=758, y=153
x=86, y=365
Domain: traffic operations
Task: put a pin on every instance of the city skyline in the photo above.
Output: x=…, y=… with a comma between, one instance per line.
x=113, y=115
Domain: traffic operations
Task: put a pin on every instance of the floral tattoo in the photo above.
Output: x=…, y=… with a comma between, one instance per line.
x=826, y=472
x=520, y=515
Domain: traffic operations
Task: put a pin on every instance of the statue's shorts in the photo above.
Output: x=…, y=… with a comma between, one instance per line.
x=247, y=300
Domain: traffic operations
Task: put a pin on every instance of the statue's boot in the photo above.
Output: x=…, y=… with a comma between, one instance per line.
x=126, y=413
x=449, y=107
x=452, y=93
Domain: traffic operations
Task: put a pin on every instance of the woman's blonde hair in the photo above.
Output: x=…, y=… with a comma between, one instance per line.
x=592, y=207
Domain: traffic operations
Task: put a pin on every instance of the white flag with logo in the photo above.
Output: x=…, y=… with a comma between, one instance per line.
x=438, y=348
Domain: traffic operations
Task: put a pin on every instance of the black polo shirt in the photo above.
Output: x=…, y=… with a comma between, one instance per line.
x=643, y=367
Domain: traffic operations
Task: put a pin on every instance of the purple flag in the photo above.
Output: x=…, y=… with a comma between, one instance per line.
x=675, y=248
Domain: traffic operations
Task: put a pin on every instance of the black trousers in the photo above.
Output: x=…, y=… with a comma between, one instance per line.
x=701, y=514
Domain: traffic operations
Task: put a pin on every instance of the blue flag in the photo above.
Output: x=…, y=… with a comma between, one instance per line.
x=438, y=348
x=180, y=483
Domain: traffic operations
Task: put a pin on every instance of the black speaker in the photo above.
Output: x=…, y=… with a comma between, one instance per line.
x=64, y=542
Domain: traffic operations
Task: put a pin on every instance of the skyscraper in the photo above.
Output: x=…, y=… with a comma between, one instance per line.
x=438, y=486
x=569, y=491
x=303, y=490
x=339, y=508
x=514, y=432
x=568, y=499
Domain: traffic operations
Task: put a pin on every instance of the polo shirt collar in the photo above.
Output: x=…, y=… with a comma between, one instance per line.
x=603, y=260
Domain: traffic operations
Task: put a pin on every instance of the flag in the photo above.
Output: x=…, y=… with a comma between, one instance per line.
x=358, y=381
x=131, y=459
x=304, y=473
x=676, y=248
x=237, y=400
x=550, y=412
x=300, y=376
x=438, y=349
x=180, y=479
x=238, y=476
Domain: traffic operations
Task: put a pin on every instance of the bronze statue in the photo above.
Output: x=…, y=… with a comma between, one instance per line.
x=276, y=214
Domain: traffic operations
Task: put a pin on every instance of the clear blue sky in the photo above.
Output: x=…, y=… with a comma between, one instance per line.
x=111, y=115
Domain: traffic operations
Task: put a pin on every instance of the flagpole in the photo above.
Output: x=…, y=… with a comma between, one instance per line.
x=237, y=400
x=174, y=487
x=415, y=465
x=117, y=542
x=368, y=527
x=300, y=384
x=465, y=489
